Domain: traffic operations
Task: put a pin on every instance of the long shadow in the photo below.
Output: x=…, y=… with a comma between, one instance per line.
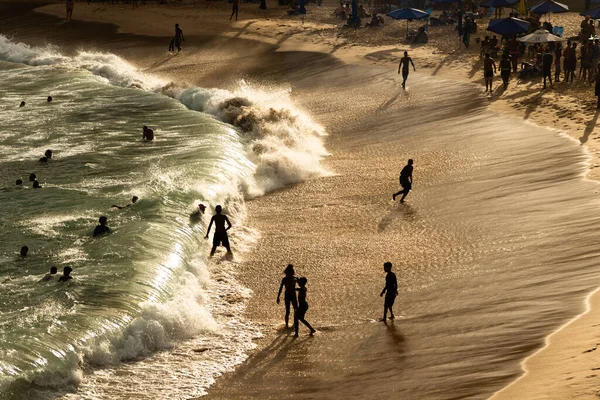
x=589, y=127
x=476, y=67
x=389, y=102
x=532, y=106
x=285, y=37
x=403, y=210
x=243, y=29
x=439, y=67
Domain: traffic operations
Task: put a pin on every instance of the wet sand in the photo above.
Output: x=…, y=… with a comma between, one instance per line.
x=466, y=326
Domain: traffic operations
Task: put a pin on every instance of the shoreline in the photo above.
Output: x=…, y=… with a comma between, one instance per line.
x=593, y=299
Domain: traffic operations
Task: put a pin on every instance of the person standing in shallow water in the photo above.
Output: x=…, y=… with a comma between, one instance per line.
x=405, y=181
x=220, y=237
x=70, y=7
x=289, y=283
x=302, y=308
x=177, y=40
x=390, y=290
x=404, y=66
x=235, y=7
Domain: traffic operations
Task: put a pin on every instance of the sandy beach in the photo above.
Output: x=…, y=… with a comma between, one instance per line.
x=339, y=229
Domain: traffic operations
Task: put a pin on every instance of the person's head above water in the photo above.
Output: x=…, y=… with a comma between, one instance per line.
x=103, y=220
x=410, y=161
x=22, y=104
x=302, y=282
x=24, y=251
x=289, y=270
x=218, y=209
x=32, y=177
x=387, y=266
x=48, y=153
x=19, y=182
x=67, y=271
x=49, y=99
x=134, y=199
x=36, y=184
x=53, y=270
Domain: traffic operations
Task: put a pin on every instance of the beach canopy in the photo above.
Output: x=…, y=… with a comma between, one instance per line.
x=549, y=6
x=508, y=26
x=595, y=13
x=500, y=3
x=540, y=36
x=407, y=13
x=449, y=1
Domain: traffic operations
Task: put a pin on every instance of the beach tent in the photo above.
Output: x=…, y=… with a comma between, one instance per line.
x=549, y=6
x=408, y=14
x=508, y=26
x=595, y=13
x=540, y=36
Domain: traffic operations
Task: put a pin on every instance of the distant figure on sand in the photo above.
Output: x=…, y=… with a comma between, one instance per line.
x=147, y=133
x=302, y=308
x=404, y=66
x=405, y=181
x=49, y=275
x=70, y=7
x=220, y=237
x=66, y=274
x=177, y=40
x=133, y=200
x=390, y=290
x=489, y=69
x=289, y=283
x=102, y=228
x=235, y=6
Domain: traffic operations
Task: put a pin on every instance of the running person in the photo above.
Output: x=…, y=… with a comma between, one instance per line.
x=220, y=237
x=489, y=69
x=404, y=66
x=405, y=181
x=289, y=283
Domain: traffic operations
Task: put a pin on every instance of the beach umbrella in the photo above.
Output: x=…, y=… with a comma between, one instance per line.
x=595, y=13
x=540, y=36
x=508, y=26
x=501, y=3
x=408, y=14
x=549, y=6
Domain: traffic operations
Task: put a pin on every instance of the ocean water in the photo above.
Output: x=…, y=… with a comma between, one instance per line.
x=148, y=286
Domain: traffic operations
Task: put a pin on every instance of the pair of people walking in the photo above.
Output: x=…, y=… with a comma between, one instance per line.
x=299, y=303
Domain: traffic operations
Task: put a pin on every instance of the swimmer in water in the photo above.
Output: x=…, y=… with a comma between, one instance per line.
x=49, y=275
x=220, y=237
x=19, y=183
x=147, y=134
x=24, y=251
x=102, y=228
x=22, y=104
x=36, y=184
x=47, y=156
x=32, y=177
x=197, y=215
x=66, y=274
x=49, y=99
x=133, y=200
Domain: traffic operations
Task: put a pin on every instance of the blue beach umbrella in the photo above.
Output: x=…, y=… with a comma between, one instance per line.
x=508, y=26
x=408, y=14
x=549, y=6
x=595, y=13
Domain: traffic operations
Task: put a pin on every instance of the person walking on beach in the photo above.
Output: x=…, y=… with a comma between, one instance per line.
x=220, y=237
x=505, y=66
x=177, y=40
x=302, y=308
x=70, y=7
x=557, y=56
x=263, y=6
x=390, y=290
x=405, y=181
x=404, y=66
x=235, y=6
x=289, y=297
x=547, y=66
x=489, y=69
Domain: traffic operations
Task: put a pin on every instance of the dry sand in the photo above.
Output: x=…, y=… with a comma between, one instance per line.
x=566, y=368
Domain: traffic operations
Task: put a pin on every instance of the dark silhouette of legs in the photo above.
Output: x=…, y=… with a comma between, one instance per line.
x=212, y=252
x=305, y=322
x=404, y=193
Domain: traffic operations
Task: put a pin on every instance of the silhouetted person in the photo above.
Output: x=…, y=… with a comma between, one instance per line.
x=405, y=181
x=179, y=39
x=489, y=69
x=36, y=184
x=47, y=156
x=19, y=183
x=102, y=228
x=133, y=201
x=147, y=133
x=70, y=7
x=22, y=104
x=390, y=290
x=263, y=6
x=49, y=99
x=289, y=283
x=235, y=6
x=66, y=274
x=505, y=67
x=547, y=59
x=196, y=216
x=32, y=177
x=24, y=251
x=404, y=66
x=49, y=275
x=220, y=237
x=302, y=308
